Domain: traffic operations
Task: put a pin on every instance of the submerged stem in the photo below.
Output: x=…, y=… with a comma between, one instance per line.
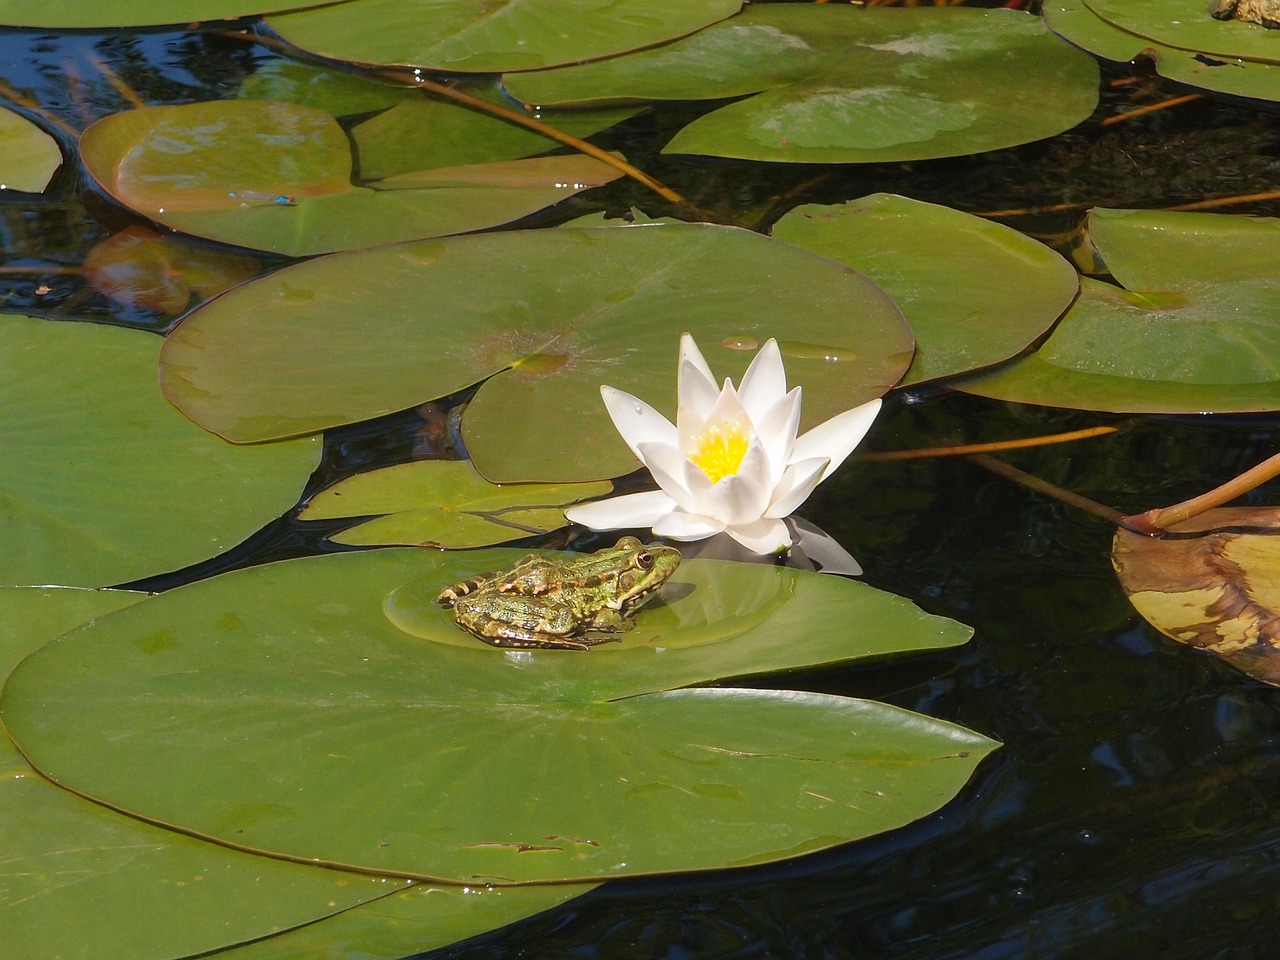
x=1154, y=522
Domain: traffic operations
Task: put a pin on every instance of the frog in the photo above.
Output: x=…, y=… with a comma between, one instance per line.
x=1265, y=12
x=562, y=604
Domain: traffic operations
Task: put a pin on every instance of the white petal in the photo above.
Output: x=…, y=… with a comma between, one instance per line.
x=695, y=392
x=777, y=431
x=836, y=438
x=636, y=420
x=765, y=381
x=689, y=353
x=622, y=513
x=734, y=499
x=796, y=485
x=668, y=469
x=762, y=536
x=679, y=525
x=823, y=549
x=726, y=409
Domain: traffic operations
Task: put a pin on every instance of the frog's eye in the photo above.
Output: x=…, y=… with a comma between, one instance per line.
x=644, y=559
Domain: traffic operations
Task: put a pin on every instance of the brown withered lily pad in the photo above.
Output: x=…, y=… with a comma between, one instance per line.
x=1212, y=582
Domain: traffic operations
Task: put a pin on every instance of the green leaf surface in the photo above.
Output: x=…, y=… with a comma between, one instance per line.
x=74, y=870
x=213, y=169
x=339, y=93
x=29, y=157
x=264, y=705
x=949, y=272
x=444, y=503
x=563, y=311
x=431, y=133
x=1187, y=25
x=77, y=14
x=838, y=84
x=1195, y=326
x=408, y=923
x=1076, y=22
x=491, y=37
x=101, y=480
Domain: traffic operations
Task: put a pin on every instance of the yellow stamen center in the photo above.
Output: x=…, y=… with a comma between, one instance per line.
x=719, y=449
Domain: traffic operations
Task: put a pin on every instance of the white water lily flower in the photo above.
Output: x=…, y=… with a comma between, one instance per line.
x=732, y=462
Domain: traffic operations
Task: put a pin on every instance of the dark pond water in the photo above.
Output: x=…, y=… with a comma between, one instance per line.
x=1131, y=811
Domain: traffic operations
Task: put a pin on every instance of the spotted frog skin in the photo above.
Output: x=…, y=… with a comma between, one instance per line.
x=556, y=603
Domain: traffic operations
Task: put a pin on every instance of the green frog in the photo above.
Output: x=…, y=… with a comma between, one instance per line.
x=554, y=603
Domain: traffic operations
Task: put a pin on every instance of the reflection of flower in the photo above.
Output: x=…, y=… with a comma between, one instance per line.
x=732, y=462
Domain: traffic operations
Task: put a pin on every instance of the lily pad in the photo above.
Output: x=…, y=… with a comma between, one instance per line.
x=30, y=156
x=76, y=14
x=140, y=268
x=430, y=133
x=498, y=35
x=950, y=272
x=1075, y=21
x=264, y=705
x=102, y=481
x=277, y=177
x=563, y=311
x=1194, y=328
x=339, y=93
x=839, y=84
x=74, y=869
x=444, y=503
x=1213, y=583
x=1187, y=25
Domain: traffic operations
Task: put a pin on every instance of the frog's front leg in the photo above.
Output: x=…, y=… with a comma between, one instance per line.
x=609, y=620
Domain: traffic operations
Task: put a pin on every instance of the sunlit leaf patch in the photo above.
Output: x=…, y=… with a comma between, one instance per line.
x=77, y=14
x=29, y=157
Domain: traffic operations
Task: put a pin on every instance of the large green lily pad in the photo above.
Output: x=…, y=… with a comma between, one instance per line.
x=974, y=292
x=101, y=480
x=444, y=503
x=1187, y=25
x=548, y=316
x=264, y=705
x=494, y=36
x=838, y=84
x=77, y=14
x=29, y=157
x=1075, y=21
x=277, y=176
x=1193, y=327
x=73, y=869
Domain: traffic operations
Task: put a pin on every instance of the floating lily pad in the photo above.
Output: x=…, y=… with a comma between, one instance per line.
x=277, y=177
x=1075, y=21
x=1188, y=25
x=1195, y=326
x=77, y=14
x=102, y=481
x=491, y=37
x=264, y=705
x=73, y=869
x=431, y=133
x=1219, y=591
x=563, y=311
x=444, y=503
x=838, y=84
x=339, y=93
x=140, y=268
x=974, y=292
x=29, y=157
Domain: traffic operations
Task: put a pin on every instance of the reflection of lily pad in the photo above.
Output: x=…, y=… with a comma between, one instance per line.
x=444, y=503
x=835, y=84
x=1194, y=328
x=73, y=870
x=103, y=481
x=705, y=601
x=28, y=156
x=493, y=36
x=277, y=176
x=950, y=273
x=1076, y=22
x=564, y=311
x=275, y=700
